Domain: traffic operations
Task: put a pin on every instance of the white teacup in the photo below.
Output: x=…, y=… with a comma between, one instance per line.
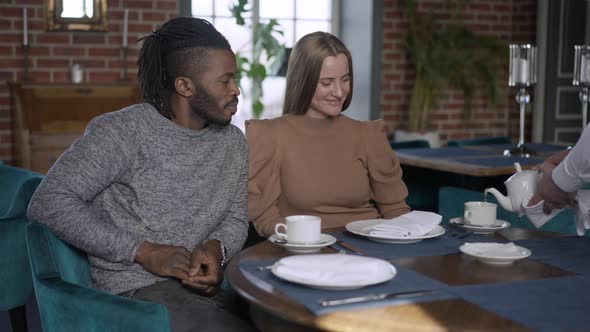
x=300, y=229
x=480, y=213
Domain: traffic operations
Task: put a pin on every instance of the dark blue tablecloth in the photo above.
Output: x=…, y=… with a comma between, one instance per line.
x=568, y=253
x=442, y=245
x=500, y=161
x=553, y=304
x=445, y=152
x=537, y=147
x=405, y=281
x=486, y=156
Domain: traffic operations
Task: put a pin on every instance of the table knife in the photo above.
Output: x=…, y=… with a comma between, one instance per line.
x=373, y=297
x=350, y=247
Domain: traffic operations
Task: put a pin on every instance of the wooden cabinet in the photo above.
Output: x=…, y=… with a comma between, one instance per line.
x=50, y=117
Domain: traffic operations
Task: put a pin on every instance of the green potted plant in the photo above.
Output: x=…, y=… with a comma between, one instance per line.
x=264, y=44
x=449, y=55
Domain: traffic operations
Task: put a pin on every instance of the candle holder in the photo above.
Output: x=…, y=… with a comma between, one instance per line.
x=124, y=52
x=124, y=47
x=523, y=58
x=582, y=77
x=26, y=76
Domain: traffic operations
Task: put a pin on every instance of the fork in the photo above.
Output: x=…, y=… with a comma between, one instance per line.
x=460, y=235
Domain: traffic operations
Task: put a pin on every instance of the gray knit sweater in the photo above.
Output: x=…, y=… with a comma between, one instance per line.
x=137, y=176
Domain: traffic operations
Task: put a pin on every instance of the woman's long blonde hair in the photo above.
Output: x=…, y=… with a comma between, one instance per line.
x=305, y=65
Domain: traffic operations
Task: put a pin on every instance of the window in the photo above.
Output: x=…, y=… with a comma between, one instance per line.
x=296, y=17
x=77, y=9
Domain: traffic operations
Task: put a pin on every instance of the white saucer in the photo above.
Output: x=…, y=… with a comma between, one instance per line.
x=498, y=225
x=364, y=227
x=495, y=253
x=334, y=271
x=325, y=240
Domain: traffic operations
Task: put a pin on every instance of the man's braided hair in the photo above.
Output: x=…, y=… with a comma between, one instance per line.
x=178, y=48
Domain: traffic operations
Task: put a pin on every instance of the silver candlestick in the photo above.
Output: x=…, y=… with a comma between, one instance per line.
x=523, y=58
x=26, y=76
x=582, y=77
x=125, y=53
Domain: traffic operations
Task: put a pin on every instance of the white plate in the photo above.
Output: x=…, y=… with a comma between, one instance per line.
x=363, y=228
x=334, y=271
x=498, y=225
x=489, y=252
x=325, y=240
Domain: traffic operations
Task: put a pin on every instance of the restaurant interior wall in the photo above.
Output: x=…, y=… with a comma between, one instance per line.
x=52, y=53
x=514, y=21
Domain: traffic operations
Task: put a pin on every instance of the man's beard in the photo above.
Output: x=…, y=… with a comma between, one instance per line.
x=206, y=107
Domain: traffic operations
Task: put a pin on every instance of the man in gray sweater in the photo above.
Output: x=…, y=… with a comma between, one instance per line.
x=155, y=193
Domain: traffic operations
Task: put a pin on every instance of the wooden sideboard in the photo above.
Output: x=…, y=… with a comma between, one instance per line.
x=50, y=117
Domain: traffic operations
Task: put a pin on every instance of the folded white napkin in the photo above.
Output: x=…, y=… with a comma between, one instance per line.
x=494, y=249
x=582, y=211
x=411, y=224
x=335, y=269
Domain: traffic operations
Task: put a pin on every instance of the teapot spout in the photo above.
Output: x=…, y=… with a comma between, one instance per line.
x=503, y=200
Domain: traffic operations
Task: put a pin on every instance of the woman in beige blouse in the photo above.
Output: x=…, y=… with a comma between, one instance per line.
x=315, y=160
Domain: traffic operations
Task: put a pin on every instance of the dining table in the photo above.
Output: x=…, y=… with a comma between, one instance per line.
x=546, y=291
x=474, y=167
x=476, y=160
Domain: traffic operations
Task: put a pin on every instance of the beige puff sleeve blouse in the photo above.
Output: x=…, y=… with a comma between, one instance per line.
x=337, y=168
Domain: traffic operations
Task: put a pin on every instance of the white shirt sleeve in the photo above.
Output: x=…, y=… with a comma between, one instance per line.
x=574, y=171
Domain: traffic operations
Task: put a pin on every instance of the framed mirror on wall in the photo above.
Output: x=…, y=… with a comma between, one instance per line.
x=77, y=15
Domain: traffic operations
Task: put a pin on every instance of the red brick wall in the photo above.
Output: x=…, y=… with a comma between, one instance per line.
x=514, y=21
x=51, y=53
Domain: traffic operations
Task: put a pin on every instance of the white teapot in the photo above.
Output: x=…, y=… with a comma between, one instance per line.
x=521, y=187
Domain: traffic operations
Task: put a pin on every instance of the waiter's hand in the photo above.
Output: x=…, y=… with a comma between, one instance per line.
x=535, y=200
x=555, y=159
x=553, y=196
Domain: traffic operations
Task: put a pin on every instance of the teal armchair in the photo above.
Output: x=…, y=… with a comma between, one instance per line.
x=451, y=200
x=413, y=144
x=61, y=277
x=420, y=196
x=16, y=188
x=15, y=275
